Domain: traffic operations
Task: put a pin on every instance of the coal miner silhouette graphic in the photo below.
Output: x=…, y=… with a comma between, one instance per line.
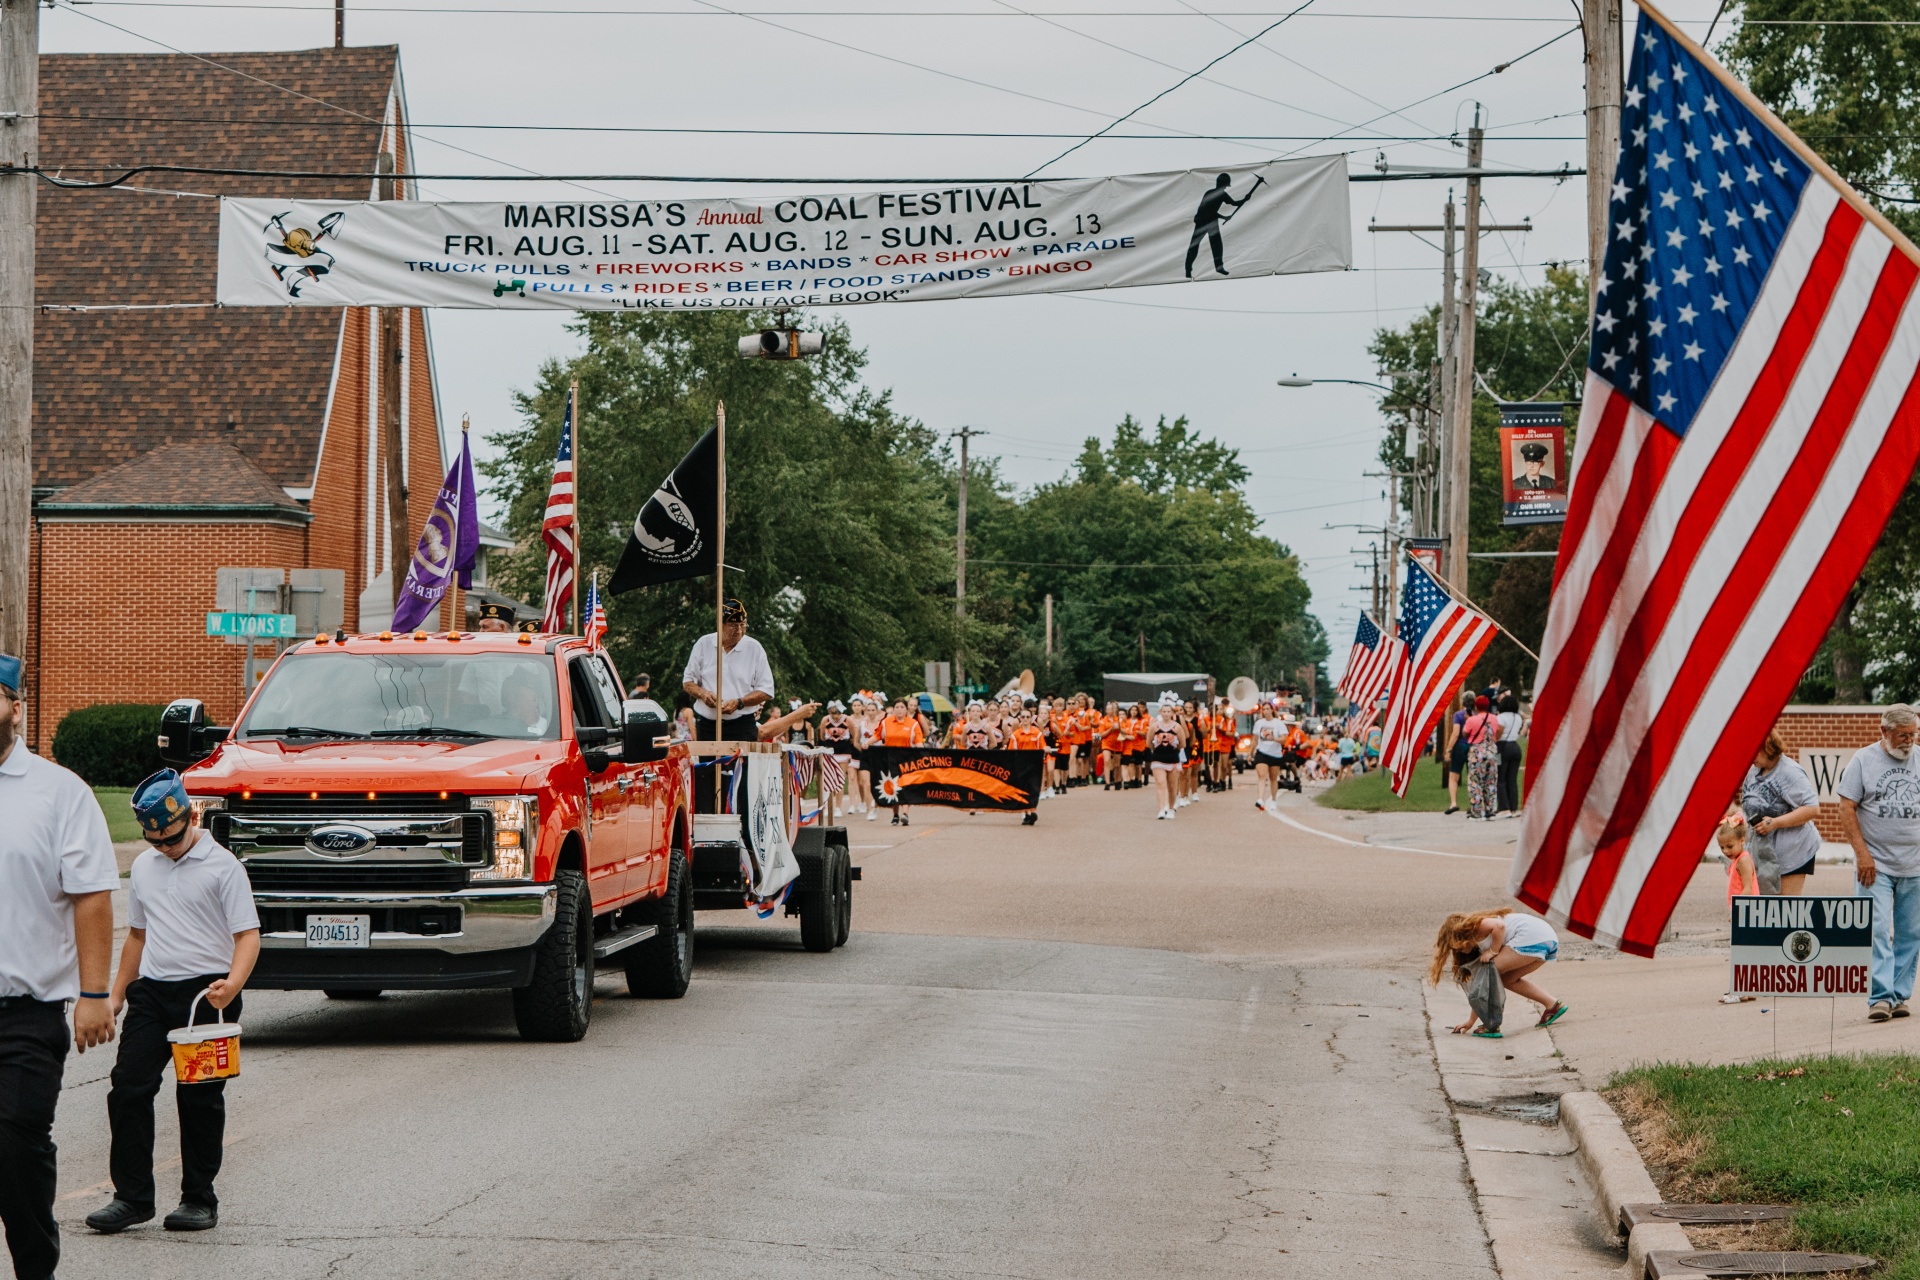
x=1208, y=219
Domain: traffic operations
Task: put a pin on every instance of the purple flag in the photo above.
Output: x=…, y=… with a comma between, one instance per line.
x=446, y=548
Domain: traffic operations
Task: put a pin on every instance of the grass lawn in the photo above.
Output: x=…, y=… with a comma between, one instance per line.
x=116, y=802
x=1370, y=791
x=1837, y=1137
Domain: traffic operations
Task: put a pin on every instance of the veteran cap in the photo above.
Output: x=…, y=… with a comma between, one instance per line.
x=160, y=801
x=10, y=668
x=1533, y=451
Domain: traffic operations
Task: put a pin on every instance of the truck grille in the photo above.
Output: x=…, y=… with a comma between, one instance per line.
x=473, y=828
x=370, y=877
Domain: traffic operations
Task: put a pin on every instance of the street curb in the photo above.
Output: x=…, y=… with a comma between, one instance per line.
x=1613, y=1165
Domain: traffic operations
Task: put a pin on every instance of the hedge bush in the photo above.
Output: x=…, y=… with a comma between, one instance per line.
x=112, y=744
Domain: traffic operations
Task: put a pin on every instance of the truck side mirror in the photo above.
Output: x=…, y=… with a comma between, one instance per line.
x=185, y=736
x=646, y=739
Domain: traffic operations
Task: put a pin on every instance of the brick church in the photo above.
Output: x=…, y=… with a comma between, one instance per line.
x=173, y=440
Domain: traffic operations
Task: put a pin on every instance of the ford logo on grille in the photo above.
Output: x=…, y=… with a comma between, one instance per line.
x=341, y=841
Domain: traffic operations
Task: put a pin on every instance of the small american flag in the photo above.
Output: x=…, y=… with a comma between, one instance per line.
x=557, y=530
x=1751, y=416
x=833, y=774
x=596, y=614
x=1372, y=664
x=800, y=770
x=1444, y=639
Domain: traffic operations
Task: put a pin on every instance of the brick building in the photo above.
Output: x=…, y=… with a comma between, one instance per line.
x=172, y=439
x=1823, y=739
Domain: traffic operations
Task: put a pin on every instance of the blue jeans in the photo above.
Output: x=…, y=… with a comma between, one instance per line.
x=1896, y=935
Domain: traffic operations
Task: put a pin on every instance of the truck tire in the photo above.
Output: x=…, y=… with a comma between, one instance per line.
x=346, y=993
x=558, y=1003
x=661, y=967
x=820, y=905
x=844, y=925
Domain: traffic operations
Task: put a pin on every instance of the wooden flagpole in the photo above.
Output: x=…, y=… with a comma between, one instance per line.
x=1461, y=596
x=573, y=414
x=719, y=593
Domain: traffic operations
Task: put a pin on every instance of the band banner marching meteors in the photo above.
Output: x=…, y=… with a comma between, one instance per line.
x=836, y=249
x=955, y=777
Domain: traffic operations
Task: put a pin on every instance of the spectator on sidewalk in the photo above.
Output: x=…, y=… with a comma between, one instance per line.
x=1513, y=729
x=1880, y=812
x=1731, y=835
x=1453, y=752
x=1780, y=805
x=1481, y=733
x=1516, y=943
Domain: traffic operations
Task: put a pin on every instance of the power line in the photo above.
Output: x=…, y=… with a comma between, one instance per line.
x=944, y=13
x=834, y=133
x=1184, y=80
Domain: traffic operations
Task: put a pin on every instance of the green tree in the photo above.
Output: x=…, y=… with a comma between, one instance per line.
x=836, y=503
x=1147, y=543
x=1530, y=343
x=1850, y=86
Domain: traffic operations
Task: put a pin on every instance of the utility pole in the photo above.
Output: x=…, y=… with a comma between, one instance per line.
x=339, y=24
x=19, y=149
x=964, y=434
x=392, y=371
x=1461, y=462
x=1049, y=635
x=1456, y=356
x=1600, y=26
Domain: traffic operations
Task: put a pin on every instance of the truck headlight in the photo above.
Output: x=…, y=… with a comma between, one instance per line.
x=204, y=805
x=516, y=826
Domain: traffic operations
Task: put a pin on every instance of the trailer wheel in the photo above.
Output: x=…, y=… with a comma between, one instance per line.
x=661, y=967
x=844, y=924
x=820, y=905
x=558, y=1003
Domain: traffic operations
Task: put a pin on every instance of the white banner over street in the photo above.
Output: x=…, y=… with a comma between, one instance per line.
x=1281, y=218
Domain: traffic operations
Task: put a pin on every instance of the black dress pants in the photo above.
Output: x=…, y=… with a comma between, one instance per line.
x=33, y=1052
x=736, y=729
x=1509, y=788
x=153, y=1009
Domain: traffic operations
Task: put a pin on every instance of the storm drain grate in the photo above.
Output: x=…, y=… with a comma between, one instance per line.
x=1702, y=1215
x=1663, y=1263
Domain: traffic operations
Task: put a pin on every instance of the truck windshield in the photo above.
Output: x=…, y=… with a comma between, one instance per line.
x=379, y=695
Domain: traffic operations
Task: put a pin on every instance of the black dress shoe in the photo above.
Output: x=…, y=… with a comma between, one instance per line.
x=118, y=1216
x=192, y=1217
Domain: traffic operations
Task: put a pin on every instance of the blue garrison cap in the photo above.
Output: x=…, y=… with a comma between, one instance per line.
x=10, y=672
x=160, y=801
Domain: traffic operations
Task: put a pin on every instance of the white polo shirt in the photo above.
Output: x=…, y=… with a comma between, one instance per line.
x=53, y=845
x=746, y=671
x=190, y=908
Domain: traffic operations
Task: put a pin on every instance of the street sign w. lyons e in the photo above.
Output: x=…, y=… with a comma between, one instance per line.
x=1801, y=946
x=256, y=626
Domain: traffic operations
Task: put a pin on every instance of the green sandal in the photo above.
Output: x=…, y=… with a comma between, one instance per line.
x=1553, y=1015
x=1487, y=1035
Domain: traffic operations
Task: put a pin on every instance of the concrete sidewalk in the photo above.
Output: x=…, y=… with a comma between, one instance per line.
x=1625, y=1010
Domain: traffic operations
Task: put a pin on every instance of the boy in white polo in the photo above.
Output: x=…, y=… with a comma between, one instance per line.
x=191, y=928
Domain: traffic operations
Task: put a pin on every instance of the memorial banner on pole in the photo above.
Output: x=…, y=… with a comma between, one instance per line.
x=836, y=249
x=1533, y=457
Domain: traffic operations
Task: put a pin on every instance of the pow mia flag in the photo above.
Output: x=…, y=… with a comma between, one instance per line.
x=673, y=536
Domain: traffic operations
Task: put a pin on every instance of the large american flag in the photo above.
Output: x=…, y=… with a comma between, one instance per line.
x=1444, y=639
x=1372, y=664
x=1751, y=415
x=557, y=530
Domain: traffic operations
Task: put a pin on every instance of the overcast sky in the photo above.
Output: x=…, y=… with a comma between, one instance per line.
x=1041, y=373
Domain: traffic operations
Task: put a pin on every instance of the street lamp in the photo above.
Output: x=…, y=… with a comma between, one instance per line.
x=1296, y=380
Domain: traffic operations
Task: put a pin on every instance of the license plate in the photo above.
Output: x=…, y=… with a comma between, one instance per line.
x=338, y=931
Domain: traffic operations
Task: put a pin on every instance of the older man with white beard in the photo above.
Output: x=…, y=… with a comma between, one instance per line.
x=1880, y=812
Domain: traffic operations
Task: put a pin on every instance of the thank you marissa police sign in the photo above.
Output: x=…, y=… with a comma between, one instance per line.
x=1802, y=946
x=835, y=249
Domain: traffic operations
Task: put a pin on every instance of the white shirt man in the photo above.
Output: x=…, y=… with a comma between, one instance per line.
x=190, y=908
x=53, y=847
x=745, y=672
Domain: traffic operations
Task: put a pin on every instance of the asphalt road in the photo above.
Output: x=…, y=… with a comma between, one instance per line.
x=1103, y=1046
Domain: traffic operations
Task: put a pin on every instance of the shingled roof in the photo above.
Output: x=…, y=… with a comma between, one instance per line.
x=199, y=477
x=110, y=385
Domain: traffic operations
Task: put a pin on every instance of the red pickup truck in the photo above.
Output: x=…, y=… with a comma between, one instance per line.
x=447, y=811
